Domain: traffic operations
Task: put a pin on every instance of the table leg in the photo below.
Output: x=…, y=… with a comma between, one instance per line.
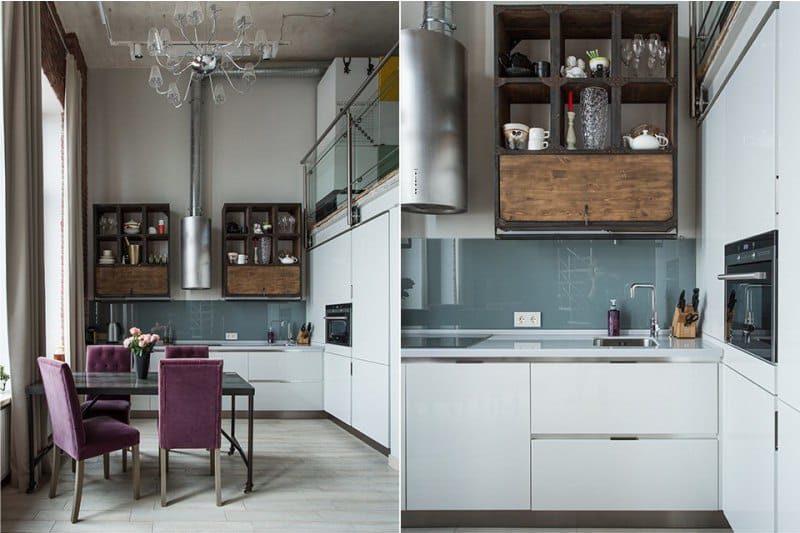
x=31, y=450
x=233, y=422
x=249, y=486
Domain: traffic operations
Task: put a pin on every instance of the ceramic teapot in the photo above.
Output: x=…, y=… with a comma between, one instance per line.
x=647, y=141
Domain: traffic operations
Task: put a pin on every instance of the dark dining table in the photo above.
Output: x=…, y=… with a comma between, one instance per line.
x=126, y=383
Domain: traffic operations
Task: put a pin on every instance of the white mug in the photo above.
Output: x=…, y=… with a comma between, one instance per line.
x=540, y=133
x=537, y=143
x=242, y=259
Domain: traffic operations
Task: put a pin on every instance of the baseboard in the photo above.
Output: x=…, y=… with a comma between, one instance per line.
x=242, y=416
x=566, y=519
x=360, y=436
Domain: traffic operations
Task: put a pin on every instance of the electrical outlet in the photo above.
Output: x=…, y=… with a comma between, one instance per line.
x=528, y=319
x=231, y=336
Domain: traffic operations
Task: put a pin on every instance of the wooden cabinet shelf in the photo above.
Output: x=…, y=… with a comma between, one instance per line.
x=142, y=281
x=262, y=277
x=548, y=193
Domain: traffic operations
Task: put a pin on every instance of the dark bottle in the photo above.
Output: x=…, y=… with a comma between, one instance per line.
x=270, y=336
x=613, y=320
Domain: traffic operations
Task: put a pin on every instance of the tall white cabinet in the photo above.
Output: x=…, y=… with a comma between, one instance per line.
x=788, y=518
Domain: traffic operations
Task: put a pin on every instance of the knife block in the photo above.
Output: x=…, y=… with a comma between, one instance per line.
x=303, y=338
x=681, y=331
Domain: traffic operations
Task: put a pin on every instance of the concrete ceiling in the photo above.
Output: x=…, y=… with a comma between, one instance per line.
x=357, y=29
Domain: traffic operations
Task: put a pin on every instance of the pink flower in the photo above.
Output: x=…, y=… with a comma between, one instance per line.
x=144, y=340
x=127, y=342
x=135, y=331
x=155, y=338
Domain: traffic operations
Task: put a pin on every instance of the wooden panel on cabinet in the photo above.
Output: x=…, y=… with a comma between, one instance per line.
x=262, y=280
x=586, y=188
x=130, y=280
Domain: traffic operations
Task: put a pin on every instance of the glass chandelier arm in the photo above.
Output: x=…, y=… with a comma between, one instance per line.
x=188, y=87
x=186, y=38
x=167, y=66
x=231, y=82
x=213, y=26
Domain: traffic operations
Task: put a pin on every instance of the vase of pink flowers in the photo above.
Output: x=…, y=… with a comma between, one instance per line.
x=141, y=345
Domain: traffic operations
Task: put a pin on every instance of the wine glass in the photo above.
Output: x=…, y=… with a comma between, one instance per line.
x=627, y=55
x=637, y=44
x=663, y=54
x=653, y=45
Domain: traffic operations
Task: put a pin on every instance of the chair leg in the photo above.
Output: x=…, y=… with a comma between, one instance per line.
x=125, y=459
x=73, y=466
x=163, y=460
x=56, y=468
x=106, y=466
x=211, y=462
x=217, y=477
x=166, y=461
x=136, y=472
x=76, y=499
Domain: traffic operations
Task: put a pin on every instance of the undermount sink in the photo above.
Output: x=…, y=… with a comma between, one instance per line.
x=640, y=342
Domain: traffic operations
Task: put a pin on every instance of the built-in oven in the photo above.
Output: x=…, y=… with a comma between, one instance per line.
x=751, y=289
x=337, y=324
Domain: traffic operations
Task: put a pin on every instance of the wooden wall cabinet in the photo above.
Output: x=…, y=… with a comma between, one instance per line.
x=149, y=279
x=613, y=191
x=263, y=276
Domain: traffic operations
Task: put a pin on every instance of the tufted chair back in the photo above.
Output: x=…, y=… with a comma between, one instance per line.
x=108, y=358
x=181, y=352
x=189, y=403
x=62, y=401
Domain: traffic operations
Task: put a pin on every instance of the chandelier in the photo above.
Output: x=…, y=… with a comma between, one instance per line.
x=203, y=56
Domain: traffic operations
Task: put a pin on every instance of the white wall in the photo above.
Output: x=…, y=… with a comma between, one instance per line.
x=140, y=151
x=475, y=30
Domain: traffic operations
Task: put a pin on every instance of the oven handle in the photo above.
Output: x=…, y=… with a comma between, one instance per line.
x=742, y=277
x=336, y=317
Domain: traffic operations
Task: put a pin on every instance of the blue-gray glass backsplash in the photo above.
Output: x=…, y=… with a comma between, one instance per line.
x=204, y=319
x=480, y=283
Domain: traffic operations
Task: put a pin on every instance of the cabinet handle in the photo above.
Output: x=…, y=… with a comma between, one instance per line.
x=586, y=215
x=742, y=277
x=624, y=438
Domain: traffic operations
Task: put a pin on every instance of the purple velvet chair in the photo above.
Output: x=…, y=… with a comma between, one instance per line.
x=182, y=352
x=109, y=358
x=190, y=412
x=78, y=438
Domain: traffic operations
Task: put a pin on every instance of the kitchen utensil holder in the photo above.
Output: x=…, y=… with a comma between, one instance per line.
x=679, y=328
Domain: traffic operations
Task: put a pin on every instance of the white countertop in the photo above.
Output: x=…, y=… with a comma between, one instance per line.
x=245, y=346
x=554, y=345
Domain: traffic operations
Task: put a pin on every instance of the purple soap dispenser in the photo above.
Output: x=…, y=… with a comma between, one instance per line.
x=613, y=320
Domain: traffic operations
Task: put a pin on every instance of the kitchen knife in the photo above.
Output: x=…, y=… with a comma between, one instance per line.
x=682, y=301
x=696, y=299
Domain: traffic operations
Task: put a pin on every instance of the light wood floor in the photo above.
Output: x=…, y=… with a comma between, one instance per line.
x=558, y=530
x=310, y=475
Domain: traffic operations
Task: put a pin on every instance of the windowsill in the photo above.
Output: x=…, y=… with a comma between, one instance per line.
x=5, y=398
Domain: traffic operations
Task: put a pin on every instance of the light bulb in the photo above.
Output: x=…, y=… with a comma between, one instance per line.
x=166, y=39
x=179, y=18
x=194, y=13
x=219, y=94
x=154, y=44
x=243, y=18
x=173, y=95
x=155, y=81
x=260, y=40
x=249, y=75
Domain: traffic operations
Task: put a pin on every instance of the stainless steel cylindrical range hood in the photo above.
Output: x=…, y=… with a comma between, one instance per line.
x=433, y=116
x=196, y=228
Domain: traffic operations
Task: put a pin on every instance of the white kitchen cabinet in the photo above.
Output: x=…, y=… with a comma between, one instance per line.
x=271, y=396
x=467, y=436
x=140, y=402
x=286, y=381
x=788, y=474
x=232, y=362
x=624, y=399
x=371, y=281
x=370, y=400
x=337, y=386
x=748, y=454
x=788, y=187
x=624, y=475
x=750, y=139
x=330, y=264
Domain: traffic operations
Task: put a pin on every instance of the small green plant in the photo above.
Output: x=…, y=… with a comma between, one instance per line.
x=4, y=377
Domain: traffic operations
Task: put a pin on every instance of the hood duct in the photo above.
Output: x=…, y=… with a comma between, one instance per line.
x=433, y=111
x=196, y=228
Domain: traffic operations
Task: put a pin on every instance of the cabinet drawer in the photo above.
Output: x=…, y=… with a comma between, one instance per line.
x=264, y=280
x=651, y=475
x=286, y=397
x=131, y=281
x=594, y=188
x=624, y=399
x=285, y=366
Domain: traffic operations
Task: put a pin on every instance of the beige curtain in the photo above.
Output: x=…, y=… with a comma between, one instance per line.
x=73, y=223
x=22, y=122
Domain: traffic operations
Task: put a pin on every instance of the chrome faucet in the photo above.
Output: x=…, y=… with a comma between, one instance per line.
x=653, y=314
